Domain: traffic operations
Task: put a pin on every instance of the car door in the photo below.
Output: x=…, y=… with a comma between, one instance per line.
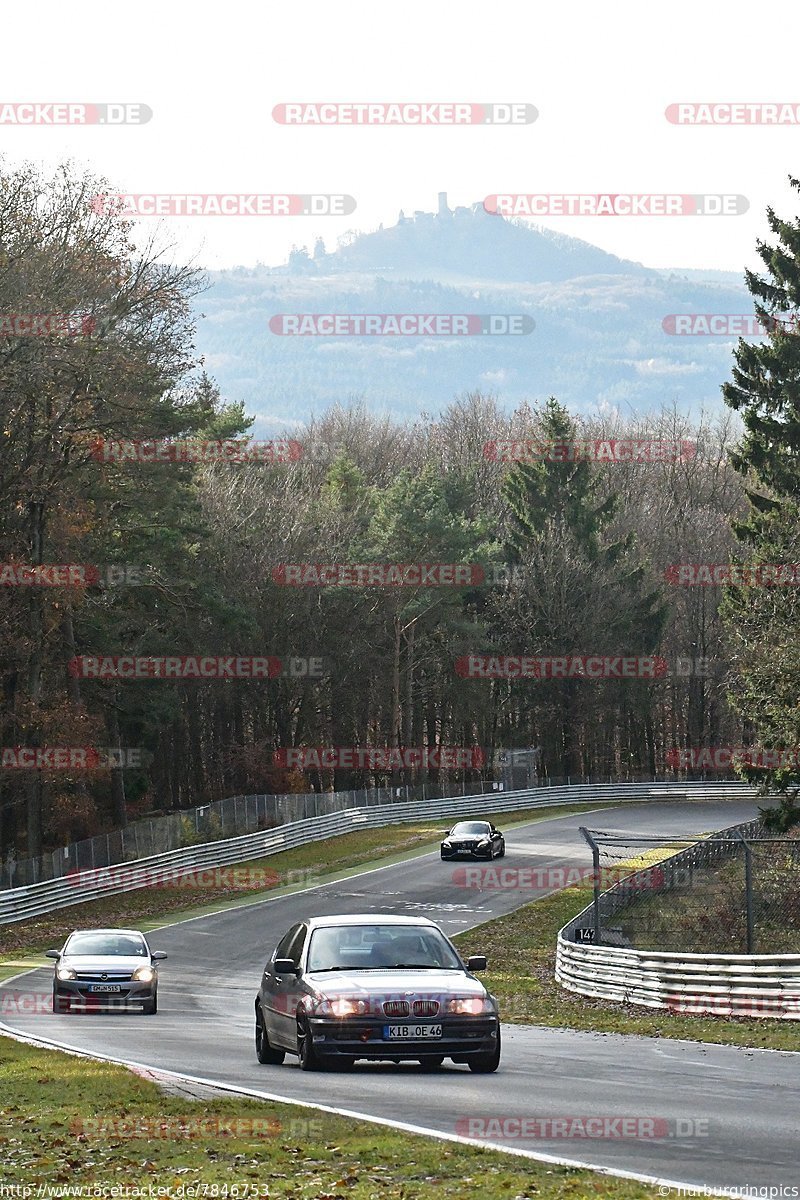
x=273, y=991
x=288, y=989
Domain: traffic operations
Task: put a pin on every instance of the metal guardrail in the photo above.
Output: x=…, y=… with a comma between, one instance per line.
x=732, y=985
x=40, y=898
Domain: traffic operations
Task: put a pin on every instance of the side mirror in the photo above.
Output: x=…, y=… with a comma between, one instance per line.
x=284, y=966
x=476, y=962
x=158, y=956
x=52, y=954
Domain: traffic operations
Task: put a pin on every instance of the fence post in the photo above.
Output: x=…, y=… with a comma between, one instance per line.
x=748, y=890
x=596, y=878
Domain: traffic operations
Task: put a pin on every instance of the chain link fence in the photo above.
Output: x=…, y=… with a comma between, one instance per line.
x=732, y=892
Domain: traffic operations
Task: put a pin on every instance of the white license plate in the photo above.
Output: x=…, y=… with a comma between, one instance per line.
x=416, y=1032
x=105, y=987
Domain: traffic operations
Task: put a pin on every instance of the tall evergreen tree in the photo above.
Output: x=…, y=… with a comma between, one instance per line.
x=763, y=621
x=585, y=588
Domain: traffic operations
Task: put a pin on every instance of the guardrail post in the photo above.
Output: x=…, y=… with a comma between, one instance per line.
x=596, y=877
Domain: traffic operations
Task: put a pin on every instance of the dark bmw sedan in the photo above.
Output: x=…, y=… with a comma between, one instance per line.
x=477, y=839
x=105, y=967
x=341, y=988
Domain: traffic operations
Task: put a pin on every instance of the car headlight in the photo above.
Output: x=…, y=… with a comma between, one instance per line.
x=446, y=842
x=341, y=1007
x=144, y=975
x=65, y=973
x=484, y=842
x=469, y=1006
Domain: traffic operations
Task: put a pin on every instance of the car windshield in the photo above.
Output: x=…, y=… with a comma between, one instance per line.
x=107, y=943
x=469, y=828
x=376, y=947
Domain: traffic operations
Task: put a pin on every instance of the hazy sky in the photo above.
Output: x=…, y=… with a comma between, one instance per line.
x=600, y=76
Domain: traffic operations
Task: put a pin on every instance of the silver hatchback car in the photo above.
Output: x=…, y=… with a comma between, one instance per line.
x=375, y=987
x=105, y=967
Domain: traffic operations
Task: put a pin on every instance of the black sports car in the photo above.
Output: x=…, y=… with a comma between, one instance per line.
x=477, y=839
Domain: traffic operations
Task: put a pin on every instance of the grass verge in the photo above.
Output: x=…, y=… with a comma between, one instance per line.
x=521, y=953
x=66, y=1120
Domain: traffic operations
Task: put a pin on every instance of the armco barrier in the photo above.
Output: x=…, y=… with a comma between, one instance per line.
x=727, y=985
x=40, y=898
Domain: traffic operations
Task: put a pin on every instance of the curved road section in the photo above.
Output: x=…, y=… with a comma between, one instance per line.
x=694, y=1114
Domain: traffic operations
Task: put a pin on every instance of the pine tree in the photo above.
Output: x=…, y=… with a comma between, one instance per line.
x=585, y=589
x=763, y=622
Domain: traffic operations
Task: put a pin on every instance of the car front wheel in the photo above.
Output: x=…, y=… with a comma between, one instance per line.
x=265, y=1052
x=60, y=1003
x=310, y=1060
x=484, y=1064
x=150, y=1007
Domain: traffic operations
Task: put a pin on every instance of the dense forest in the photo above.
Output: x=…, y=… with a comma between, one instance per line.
x=175, y=555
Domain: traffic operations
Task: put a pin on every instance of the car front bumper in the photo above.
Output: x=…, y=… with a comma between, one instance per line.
x=77, y=992
x=356, y=1037
x=472, y=852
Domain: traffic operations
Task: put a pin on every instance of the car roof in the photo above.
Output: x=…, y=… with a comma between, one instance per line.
x=367, y=919
x=473, y=821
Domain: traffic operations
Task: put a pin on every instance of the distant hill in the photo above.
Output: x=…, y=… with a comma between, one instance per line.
x=598, y=337
x=470, y=242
